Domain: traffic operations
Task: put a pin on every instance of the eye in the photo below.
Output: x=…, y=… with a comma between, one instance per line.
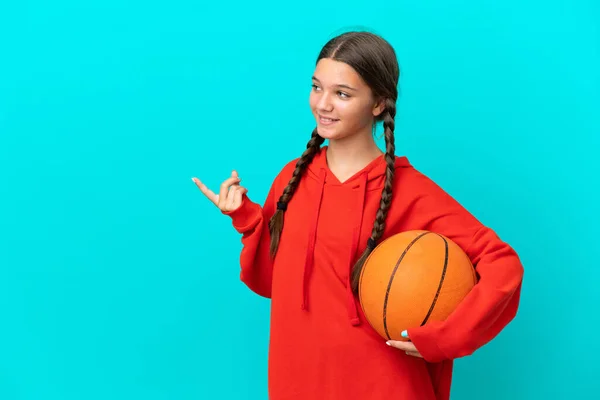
x=315, y=87
x=344, y=95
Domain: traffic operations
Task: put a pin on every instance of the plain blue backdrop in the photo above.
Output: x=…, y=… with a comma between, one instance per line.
x=119, y=280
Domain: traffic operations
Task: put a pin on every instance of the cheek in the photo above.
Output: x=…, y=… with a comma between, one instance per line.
x=312, y=101
x=354, y=111
x=346, y=108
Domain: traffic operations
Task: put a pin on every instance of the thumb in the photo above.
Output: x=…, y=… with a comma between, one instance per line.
x=234, y=174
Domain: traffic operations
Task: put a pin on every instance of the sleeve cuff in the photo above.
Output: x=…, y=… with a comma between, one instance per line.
x=246, y=216
x=423, y=339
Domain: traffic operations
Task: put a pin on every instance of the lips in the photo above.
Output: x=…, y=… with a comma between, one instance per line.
x=327, y=121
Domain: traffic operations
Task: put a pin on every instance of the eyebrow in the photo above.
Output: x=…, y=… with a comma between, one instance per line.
x=339, y=85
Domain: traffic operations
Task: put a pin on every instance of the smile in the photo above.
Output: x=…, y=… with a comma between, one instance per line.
x=327, y=121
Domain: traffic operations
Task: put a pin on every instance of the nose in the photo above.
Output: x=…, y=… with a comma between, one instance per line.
x=324, y=103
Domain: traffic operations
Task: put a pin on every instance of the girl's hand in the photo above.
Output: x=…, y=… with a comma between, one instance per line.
x=408, y=347
x=230, y=194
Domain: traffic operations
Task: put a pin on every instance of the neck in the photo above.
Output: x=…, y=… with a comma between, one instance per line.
x=351, y=154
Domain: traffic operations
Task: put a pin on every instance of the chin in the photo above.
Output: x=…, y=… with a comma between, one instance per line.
x=327, y=132
x=328, y=135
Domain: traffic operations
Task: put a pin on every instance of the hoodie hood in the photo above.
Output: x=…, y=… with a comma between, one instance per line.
x=373, y=173
x=370, y=178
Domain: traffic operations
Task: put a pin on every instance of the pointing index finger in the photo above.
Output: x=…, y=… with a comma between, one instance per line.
x=206, y=191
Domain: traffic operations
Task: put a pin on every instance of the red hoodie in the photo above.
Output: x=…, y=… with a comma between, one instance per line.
x=321, y=346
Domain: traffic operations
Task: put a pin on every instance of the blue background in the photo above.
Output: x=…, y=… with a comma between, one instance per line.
x=118, y=280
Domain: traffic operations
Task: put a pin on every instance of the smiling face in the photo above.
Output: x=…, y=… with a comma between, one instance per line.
x=342, y=103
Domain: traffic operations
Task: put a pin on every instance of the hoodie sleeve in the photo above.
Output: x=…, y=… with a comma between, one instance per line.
x=493, y=301
x=252, y=221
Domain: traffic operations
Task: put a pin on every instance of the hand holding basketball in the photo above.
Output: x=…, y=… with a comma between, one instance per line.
x=230, y=193
x=408, y=347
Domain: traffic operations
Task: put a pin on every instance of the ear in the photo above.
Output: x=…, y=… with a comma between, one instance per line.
x=378, y=107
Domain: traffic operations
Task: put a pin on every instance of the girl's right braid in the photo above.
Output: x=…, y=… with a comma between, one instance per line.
x=276, y=222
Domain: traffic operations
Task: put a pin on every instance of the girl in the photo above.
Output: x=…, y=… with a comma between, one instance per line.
x=325, y=212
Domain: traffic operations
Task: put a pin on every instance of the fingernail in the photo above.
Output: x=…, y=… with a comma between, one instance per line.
x=404, y=334
x=388, y=343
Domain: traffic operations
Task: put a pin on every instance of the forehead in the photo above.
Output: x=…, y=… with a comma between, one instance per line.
x=331, y=72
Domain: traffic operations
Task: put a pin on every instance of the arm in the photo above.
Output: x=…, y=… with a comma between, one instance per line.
x=494, y=300
x=252, y=221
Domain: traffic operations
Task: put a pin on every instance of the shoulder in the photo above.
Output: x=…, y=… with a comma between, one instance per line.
x=429, y=206
x=411, y=182
x=285, y=173
x=289, y=167
x=408, y=176
x=283, y=176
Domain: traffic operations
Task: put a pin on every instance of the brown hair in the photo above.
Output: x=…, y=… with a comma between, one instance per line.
x=374, y=59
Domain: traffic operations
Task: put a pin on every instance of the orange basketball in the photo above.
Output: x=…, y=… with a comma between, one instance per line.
x=412, y=278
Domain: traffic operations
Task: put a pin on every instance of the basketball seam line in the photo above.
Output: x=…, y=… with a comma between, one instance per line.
x=439, y=289
x=387, y=292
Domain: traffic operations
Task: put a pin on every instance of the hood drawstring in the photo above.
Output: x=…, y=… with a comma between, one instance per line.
x=351, y=302
x=310, y=251
x=318, y=169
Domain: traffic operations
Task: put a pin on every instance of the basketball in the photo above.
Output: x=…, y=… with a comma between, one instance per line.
x=412, y=278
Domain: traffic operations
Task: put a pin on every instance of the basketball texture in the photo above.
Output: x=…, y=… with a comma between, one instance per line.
x=412, y=278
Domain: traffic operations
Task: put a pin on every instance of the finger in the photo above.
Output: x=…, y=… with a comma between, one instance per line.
x=400, y=345
x=234, y=174
x=230, y=197
x=414, y=354
x=225, y=188
x=238, y=196
x=206, y=191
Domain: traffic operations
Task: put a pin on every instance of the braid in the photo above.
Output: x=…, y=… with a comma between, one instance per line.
x=276, y=222
x=386, y=194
